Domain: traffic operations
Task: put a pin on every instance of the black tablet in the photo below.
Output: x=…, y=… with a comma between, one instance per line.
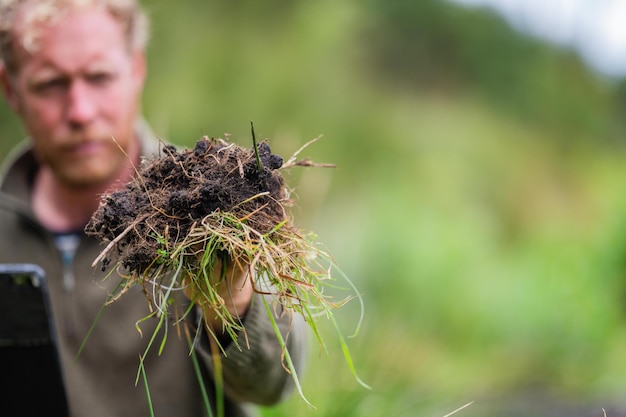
x=29, y=363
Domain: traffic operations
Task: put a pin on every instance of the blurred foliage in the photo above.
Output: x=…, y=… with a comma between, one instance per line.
x=433, y=44
x=479, y=201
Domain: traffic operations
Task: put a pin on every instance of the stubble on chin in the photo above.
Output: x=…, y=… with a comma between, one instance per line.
x=97, y=173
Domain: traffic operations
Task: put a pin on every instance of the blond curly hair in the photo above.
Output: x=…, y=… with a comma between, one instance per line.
x=128, y=12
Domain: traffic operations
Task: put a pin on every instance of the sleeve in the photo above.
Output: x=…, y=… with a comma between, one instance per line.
x=253, y=368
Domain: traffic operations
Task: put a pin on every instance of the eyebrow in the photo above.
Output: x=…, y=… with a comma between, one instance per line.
x=44, y=75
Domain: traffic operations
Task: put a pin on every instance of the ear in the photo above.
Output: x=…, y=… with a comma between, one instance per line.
x=139, y=69
x=7, y=88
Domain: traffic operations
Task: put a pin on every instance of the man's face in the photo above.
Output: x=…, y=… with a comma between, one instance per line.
x=78, y=95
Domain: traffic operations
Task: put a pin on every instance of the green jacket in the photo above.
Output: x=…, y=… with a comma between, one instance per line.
x=101, y=382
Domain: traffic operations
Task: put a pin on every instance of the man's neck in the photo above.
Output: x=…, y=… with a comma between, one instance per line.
x=61, y=208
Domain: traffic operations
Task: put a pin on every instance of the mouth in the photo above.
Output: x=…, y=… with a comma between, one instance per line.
x=88, y=148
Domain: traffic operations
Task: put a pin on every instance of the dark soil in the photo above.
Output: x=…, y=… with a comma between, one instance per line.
x=172, y=193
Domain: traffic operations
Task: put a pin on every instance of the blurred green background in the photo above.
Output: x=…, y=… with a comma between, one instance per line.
x=479, y=202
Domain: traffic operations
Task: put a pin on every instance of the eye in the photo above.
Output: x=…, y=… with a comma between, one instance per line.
x=100, y=78
x=51, y=85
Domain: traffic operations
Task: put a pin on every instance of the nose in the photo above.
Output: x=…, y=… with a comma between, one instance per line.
x=81, y=107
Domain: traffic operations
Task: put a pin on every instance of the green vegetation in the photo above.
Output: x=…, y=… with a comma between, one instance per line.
x=479, y=202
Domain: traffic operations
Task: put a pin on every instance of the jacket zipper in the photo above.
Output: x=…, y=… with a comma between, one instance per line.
x=67, y=244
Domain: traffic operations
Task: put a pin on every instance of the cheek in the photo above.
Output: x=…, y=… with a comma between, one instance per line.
x=41, y=117
x=120, y=106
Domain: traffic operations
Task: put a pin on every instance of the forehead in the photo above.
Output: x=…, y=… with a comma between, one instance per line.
x=69, y=36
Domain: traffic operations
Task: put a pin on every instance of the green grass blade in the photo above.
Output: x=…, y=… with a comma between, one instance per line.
x=346, y=352
x=281, y=341
x=359, y=296
x=145, y=383
x=93, y=326
x=198, y=372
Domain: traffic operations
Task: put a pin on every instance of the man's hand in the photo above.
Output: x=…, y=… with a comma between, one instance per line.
x=233, y=284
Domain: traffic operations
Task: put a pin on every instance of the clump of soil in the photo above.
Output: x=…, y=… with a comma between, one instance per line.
x=172, y=194
x=186, y=210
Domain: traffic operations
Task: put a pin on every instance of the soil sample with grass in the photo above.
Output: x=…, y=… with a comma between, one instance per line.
x=186, y=211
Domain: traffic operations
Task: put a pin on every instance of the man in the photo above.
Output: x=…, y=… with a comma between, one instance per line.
x=73, y=71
